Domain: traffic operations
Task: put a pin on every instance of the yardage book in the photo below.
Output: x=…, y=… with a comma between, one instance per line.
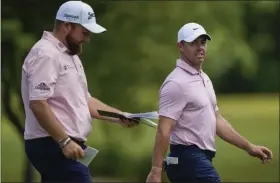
x=144, y=118
x=90, y=154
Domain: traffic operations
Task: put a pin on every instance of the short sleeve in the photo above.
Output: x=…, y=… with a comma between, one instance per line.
x=42, y=73
x=88, y=95
x=216, y=108
x=172, y=100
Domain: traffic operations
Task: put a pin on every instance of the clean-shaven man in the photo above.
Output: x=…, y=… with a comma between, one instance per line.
x=190, y=118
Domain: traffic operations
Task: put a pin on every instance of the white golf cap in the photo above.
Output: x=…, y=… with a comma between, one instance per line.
x=190, y=31
x=80, y=13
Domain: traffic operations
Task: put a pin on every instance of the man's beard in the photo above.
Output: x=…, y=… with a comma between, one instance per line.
x=74, y=48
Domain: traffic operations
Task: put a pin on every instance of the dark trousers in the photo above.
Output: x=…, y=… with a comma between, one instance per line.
x=194, y=165
x=47, y=157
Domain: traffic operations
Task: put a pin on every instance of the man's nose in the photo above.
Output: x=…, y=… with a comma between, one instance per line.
x=87, y=39
x=201, y=46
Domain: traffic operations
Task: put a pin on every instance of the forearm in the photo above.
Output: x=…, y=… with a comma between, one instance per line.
x=47, y=119
x=160, y=148
x=226, y=132
x=95, y=104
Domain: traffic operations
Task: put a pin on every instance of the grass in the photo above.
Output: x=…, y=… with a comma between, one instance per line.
x=253, y=116
x=257, y=119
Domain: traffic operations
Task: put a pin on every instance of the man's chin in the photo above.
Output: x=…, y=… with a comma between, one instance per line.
x=199, y=60
x=77, y=51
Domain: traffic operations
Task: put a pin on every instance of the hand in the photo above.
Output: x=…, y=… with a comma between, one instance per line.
x=154, y=176
x=73, y=151
x=127, y=122
x=260, y=152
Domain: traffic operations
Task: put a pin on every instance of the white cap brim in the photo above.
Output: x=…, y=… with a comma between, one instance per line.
x=196, y=35
x=94, y=28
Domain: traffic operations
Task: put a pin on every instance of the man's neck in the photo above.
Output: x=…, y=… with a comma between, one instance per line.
x=60, y=38
x=196, y=67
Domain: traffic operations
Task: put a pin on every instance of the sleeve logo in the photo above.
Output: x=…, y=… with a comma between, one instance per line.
x=43, y=87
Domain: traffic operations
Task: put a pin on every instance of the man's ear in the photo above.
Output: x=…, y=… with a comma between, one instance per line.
x=180, y=45
x=67, y=27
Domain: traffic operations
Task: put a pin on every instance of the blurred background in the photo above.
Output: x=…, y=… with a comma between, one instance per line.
x=126, y=66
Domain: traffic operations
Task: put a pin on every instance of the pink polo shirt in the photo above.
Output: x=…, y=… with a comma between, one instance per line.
x=188, y=97
x=50, y=73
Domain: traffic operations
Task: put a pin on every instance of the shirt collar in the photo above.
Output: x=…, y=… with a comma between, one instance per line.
x=50, y=37
x=184, y=65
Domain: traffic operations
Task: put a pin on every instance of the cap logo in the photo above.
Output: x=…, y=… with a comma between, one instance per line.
x=195, y=28
x=71, y=17
x=90, y=15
